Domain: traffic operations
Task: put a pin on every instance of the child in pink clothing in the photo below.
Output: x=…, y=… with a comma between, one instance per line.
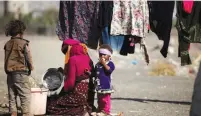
x=104, y=69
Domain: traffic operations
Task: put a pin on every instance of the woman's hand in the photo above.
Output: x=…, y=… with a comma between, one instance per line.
x=86, y=71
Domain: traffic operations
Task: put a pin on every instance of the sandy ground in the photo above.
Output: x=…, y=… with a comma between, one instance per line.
x=137, y=94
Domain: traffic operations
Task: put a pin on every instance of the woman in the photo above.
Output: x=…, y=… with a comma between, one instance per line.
x=73, y=100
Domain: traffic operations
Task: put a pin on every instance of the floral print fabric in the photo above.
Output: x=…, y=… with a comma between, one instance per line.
x=76, y=19
x=71, y=104
x=130, y=18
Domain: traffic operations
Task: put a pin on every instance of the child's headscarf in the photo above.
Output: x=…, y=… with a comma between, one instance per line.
x=105, y=51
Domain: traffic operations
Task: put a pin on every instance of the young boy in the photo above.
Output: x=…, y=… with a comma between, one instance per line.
x=18, y=66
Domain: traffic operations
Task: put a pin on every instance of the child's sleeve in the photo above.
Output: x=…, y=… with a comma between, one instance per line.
x=112, y=67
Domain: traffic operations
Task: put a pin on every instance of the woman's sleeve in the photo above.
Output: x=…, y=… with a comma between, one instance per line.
x=29, y=57
x=69, y=83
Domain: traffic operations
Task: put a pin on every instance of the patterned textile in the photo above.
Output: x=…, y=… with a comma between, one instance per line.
x=74, y=103
x=76, y=19
x=130, y=18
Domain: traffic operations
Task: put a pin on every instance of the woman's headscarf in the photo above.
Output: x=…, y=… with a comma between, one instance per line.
x=68, y=44
x=77, y=50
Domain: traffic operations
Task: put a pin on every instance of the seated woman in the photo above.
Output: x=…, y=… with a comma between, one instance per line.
x=73, y=100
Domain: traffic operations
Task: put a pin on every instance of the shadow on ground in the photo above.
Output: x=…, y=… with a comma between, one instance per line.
x=152, y=100
x=7, y=114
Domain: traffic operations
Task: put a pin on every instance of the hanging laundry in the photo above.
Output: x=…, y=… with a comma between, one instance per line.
x=105, y=16
x=128, y=46
x=160, y=17
x=114, y=41
x=79, y=20
x=130, y=18
x=106, y=36
x=189, y=29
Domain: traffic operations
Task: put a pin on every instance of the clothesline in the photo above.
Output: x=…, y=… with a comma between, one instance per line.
x=122, y=24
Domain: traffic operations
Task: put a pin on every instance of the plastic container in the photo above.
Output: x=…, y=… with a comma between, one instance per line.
x=38, y=101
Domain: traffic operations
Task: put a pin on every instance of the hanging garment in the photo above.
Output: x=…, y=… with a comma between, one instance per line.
x=106, y=36
x=128, y=46
x=105, y=18
x=130, y=18
x=183, y=51
x=79, y=20
x=114, y=41
x=160, y=17
x=189, y=29
x=105, y=14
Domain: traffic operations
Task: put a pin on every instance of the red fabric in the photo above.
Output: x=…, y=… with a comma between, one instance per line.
x=104, y=103
x=188, y=5
x=70, y=41
x=78, y=62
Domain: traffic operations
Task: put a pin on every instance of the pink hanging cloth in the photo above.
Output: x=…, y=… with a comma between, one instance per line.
x=188, y=5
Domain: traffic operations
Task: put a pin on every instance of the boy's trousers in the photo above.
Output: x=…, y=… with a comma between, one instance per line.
x=19, y=85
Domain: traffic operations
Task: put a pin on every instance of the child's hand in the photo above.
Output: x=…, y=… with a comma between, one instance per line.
x=102, y=61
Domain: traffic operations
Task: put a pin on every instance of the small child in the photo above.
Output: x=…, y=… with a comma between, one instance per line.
x=104, y=69
x=18, y=66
